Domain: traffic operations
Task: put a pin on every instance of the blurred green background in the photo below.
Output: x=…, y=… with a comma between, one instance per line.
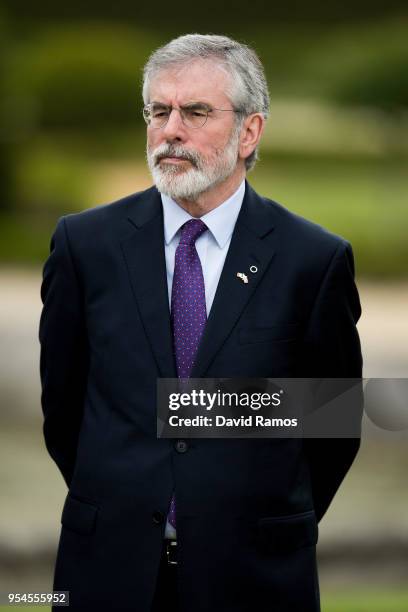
x=335, y=151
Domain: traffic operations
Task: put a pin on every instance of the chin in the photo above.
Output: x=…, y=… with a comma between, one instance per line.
x=181, y=183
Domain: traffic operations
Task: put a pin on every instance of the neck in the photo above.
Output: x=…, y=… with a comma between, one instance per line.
x=214, y=197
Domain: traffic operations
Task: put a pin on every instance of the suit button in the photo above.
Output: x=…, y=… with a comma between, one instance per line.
x=158, y=517
x=181, y=446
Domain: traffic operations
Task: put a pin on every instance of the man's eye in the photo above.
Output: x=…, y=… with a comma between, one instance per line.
x=196, y=112
x=156, y=114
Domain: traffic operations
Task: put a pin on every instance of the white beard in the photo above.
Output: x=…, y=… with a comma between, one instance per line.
x=204, y=173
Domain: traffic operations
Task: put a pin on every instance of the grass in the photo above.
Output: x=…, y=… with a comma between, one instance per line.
x=370, y=601
x=359, y=601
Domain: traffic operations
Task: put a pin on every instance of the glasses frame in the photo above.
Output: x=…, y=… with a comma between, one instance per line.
x=181, y=109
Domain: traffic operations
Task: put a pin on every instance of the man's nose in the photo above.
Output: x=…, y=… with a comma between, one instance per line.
x=174, y=128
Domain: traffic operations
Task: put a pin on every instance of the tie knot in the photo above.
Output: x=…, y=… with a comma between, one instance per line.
x=191, y=230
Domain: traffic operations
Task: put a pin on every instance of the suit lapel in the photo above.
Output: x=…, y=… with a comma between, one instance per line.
x=252, y=244
x=145, y=258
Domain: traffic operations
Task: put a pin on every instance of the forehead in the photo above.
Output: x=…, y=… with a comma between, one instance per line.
x=198, y=80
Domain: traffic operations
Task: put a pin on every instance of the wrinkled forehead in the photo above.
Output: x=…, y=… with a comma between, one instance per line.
x=204, y=80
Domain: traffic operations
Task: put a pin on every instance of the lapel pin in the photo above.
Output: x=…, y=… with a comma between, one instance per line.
x=243, y=277
x=253, y=269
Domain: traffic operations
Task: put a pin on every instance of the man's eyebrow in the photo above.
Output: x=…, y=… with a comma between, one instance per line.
x=198, y=103
x=159, y=103
x=189, y=103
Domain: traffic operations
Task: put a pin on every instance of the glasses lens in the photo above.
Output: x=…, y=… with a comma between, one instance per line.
x=194, y=116
x=156, y=115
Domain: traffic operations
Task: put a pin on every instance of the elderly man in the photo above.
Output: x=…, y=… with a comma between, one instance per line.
x=147, y=288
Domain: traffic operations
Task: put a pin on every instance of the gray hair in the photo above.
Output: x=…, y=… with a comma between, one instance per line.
x=248, y=90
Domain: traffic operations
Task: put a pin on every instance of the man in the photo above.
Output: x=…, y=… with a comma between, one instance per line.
x=147, y=287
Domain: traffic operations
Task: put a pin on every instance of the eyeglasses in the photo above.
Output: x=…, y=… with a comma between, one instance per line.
x=193, y=115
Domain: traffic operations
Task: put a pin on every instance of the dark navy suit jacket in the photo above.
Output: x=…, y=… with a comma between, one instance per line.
x=247, y=510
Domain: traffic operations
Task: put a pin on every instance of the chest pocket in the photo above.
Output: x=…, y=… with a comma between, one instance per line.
x=286, y=533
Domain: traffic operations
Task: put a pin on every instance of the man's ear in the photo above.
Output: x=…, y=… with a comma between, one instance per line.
x=251, y=133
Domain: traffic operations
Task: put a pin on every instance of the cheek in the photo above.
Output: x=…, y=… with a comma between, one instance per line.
x=213, y=144
x=219, y=139
x=150, y=139
x=154, y=138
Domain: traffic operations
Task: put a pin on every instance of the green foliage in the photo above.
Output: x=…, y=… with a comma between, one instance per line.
x=72, y=105
x=217, y=15
x=86, y=75
x=383, y=85
x=25, y=237
x=363, y=200
x=7, y=166
x=52, y=181
x=354, y=63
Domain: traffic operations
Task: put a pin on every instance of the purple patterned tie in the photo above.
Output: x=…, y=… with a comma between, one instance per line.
x=188, y=309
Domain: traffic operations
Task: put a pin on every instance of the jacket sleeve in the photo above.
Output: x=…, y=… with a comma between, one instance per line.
x=333, y=350
x=64, y=353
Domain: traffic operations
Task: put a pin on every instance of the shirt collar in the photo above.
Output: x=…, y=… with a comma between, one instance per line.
x=220, y=221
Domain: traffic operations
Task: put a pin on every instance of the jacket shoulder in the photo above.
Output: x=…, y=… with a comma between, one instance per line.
x=107, y=213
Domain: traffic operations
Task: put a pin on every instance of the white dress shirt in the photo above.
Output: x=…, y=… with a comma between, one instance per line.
x=212, y=248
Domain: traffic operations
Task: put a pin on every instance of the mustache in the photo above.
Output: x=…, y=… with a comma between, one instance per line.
x=170, y=150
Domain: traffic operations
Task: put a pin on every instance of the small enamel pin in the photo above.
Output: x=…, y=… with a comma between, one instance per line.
x=243, y=277
x=253, y=269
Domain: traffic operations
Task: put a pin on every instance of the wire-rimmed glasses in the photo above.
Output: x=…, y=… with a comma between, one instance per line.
x=193, y=115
